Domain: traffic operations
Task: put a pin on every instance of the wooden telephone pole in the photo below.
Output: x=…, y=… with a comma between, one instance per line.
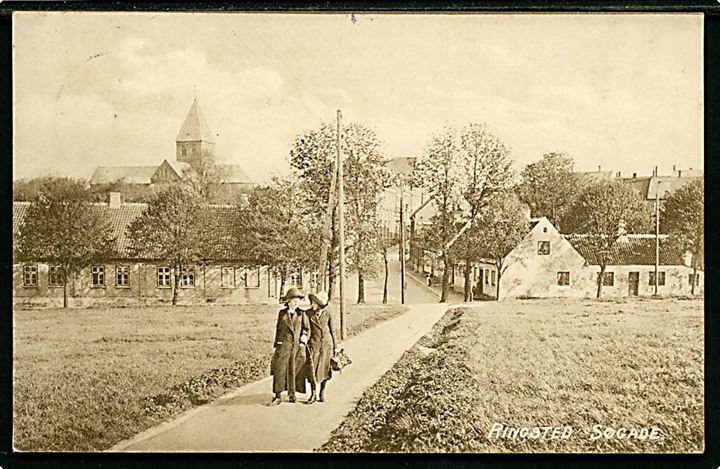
x=341, y=230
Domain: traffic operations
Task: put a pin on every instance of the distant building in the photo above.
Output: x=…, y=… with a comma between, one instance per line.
x=194, y=152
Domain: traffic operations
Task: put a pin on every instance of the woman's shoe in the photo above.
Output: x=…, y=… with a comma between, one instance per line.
x=292, y=399
x=311, y=399
x=275, y=401
x=321, y=398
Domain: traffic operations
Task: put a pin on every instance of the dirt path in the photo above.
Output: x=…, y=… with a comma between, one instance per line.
x=241, y=421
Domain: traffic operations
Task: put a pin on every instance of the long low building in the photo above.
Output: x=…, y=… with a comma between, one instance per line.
x=547, y=263
x=125, y=280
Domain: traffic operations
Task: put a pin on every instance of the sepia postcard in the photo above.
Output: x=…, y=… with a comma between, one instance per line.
x=358, y=232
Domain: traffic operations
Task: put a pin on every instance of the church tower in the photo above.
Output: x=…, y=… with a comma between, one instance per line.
x=195, y=144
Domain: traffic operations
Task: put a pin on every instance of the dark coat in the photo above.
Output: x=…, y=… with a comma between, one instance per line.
x=321, y=345
x=289, y=359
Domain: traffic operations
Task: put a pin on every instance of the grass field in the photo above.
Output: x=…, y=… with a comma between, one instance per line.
x=85, y=379
x=546, y=363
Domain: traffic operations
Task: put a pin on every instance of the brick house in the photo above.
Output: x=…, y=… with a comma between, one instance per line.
x=125, y=281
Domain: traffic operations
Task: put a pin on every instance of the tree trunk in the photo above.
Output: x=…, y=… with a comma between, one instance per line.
x=445, y=278
x=361, y=288
x=282, y=282
x=65, y=290
x=497, y=285
x=175, y=284
x=385, y=283
x=694, y=281
x=600, y=281
x=468, y=281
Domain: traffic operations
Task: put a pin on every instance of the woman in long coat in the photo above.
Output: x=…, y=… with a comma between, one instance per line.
x=291, y=336
x=321, y=345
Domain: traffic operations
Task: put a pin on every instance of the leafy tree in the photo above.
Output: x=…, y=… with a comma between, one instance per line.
x=62, y=227
x=28, y=189
x=488, y=168
x=683, y=219
x=501, y=225
x=549, y=186
x=365, y=177
x=603, y=212
x=169, y=230
x=207, y=180
x=441, y=172
x=285, y=236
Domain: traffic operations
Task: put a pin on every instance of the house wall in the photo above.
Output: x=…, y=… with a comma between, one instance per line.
x=143, y=287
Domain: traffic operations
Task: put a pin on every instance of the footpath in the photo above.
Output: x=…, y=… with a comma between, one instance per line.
x=242, y=422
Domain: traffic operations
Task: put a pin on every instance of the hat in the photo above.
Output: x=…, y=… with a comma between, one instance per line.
x=319, y=298
x=292, y=292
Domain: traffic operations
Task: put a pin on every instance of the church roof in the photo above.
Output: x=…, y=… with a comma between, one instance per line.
x=124, y=174
x=232, y=173
x=195, y=128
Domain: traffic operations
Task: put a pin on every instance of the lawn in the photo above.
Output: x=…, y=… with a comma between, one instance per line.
x=85, y=379
x=588, y=365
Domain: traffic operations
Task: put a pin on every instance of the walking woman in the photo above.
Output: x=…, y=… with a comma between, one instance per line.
x=291, y=336
x=321, y=345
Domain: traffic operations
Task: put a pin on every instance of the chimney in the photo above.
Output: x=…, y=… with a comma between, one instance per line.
x=634, y=175
x=599, y=169
x=679, y=174
x=114, y=200
x=674, y=170
x=619, y=174
x=655, y=171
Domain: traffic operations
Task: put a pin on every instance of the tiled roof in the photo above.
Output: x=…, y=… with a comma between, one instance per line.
x=218, y=218
x=636, y=250
x=195, y=128
x=125, y=174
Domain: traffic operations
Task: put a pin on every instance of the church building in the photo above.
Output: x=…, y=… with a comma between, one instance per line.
x=194, y=157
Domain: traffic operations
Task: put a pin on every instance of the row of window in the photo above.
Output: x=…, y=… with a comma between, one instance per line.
x=563, y=279
x=230, y=277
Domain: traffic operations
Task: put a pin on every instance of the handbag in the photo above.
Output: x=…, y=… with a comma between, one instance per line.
x=339, y=360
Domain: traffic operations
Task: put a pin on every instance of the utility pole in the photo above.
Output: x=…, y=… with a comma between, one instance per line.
x=341, y=229
x=327, y=236
x=402, y=243
x=657, y=235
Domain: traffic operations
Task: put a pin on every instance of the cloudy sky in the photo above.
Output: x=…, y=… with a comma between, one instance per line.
x=620, y=91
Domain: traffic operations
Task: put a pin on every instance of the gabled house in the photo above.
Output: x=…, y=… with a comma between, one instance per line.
x=547, y=264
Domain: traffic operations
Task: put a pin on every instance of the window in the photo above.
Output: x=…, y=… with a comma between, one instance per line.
x=252, y=278
x=563, y=279
x=694, y=277
x=183, y=151
x=544, y=248
x=30, y=275
x=608, y=279
x=55, y=278
x=227, y=277
x=492, y=277
x=296, y=280
x=661, y=279
x=544, y=229
x=487, y=277
x=97, y=273
x=122, y=276
x=187, y=276
x=315, y=278
x=163, y=276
